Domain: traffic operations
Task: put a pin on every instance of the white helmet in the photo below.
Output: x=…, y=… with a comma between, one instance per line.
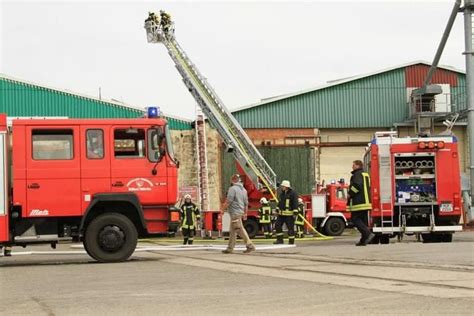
x=187, y=196
x=300, y=200
x=285, y=183
x=263, y=200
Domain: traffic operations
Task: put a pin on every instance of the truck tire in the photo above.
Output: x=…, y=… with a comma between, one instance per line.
x=447, y=237
x=334, y=226
x=110, y=237
x=251, y=226
x=384, y=239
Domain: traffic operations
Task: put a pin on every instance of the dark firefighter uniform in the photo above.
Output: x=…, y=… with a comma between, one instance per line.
x=287, y=209
x=358, y=202
x=299, y=220
x=264, y=213
x=189, y=217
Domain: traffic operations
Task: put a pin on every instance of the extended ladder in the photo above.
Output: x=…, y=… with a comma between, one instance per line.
x=203, y=179
x=160, y=29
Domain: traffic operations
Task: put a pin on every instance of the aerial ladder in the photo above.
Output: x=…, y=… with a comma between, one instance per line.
x=160, y=29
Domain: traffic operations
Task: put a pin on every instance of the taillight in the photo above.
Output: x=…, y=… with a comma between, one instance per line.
x=431, y=145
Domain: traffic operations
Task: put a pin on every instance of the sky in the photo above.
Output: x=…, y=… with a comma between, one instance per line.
x=248, y=50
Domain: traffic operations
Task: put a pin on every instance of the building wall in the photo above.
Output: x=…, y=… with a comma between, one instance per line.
x=185, y=151
x=339, y=148
x=282, y=136
x=19, y=98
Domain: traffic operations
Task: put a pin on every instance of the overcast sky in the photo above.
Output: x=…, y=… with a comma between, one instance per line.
x=247, y=50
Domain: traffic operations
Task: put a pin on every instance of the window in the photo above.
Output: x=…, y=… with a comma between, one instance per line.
x=52, y=144
x=95, y=143
x=155, y=140
x=129, y=143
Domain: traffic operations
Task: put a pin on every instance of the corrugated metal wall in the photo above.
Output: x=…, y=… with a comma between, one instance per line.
x=23, y=99
x=458, y=94
x=375, y=101
x=415, y=76
x=295, y=164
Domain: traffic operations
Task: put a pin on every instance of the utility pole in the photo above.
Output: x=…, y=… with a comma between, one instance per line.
x=469, y=53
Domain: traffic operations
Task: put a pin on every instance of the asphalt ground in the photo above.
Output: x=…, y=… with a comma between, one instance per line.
x=315, y=277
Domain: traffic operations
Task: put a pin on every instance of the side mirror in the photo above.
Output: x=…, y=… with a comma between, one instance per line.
x=160, y=135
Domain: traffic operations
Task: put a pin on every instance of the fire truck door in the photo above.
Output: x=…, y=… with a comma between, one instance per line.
x=132, y=164
x=95, y=162
x=53, y=171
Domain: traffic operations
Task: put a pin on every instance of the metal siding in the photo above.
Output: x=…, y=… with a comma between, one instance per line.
x=295, y=164
x=376, y=101
x=458, y=93
x=415, y=75
x=21, y=99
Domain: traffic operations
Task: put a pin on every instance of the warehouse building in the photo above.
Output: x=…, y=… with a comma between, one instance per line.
x=314, y=135
x=307, y=136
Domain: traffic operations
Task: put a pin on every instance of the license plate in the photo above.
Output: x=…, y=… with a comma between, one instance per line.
x=446, y=207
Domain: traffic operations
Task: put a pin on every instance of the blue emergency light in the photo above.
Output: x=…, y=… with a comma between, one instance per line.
x=153, y=112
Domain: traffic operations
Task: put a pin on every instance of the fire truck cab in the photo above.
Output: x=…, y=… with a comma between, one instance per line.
x=328, y=208
x=415, y=186
x=104, y=182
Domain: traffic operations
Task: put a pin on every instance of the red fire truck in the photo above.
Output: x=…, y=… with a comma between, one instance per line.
x=415, y=186
x=104, y=182
x=325, y=209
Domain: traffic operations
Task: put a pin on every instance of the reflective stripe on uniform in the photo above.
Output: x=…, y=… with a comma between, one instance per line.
x=360, y=207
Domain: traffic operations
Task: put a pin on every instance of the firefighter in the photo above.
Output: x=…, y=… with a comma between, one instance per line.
x=287, y=209
x=264, y=214
x=189, y=217
x=358, y=202
x=165, y=20
x=7, y=252
x=299, y=220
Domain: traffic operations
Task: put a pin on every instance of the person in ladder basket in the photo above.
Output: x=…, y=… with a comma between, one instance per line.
x=358, y=202
x=287, y=209
x=299, y=220
x=189, y=218
x=264, y=214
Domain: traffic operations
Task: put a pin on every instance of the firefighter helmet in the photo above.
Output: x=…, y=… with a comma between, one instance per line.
x=187, y=196
x=300, y=200
x=285, y=183
x=263, y=200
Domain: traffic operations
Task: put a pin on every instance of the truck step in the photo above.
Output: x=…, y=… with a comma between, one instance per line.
x=39, y=238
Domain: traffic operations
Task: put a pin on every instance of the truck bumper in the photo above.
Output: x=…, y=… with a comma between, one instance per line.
x=417, y=229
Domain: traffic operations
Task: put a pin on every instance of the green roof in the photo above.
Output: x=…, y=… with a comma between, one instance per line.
x=20, y=98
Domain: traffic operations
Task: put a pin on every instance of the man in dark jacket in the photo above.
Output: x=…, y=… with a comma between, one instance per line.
x=358, y=202
x=287, y=210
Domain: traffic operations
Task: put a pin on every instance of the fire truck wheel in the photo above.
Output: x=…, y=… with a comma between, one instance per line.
x=334, y=226
x=384, y=239
x=428, y=238
x=110, y=237
x=251, y=226
x=447, y=237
